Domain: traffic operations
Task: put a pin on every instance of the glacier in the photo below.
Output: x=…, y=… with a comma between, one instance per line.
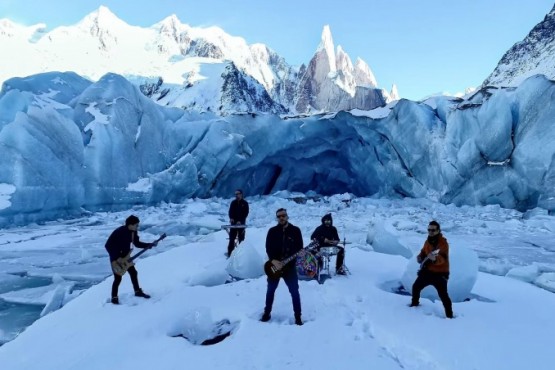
x=68, y=145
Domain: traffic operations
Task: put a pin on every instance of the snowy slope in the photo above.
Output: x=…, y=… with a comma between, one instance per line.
x=533, y=55
x=353, y=322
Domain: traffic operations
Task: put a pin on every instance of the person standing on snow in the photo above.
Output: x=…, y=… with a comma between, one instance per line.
x=282, y=242
x=119, y=245
x=434, y=268
x=238, y=212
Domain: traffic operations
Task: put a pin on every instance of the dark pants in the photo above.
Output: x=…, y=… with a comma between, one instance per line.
x=234, y=233
x=439, y=281
x=134, y=280
x=292, y=282
x=340, y=258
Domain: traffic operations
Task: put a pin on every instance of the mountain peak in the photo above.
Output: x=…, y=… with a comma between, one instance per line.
x=102, y=18
x=533, y=55
x=364, y=75
x=326, y=46
x=172, y=21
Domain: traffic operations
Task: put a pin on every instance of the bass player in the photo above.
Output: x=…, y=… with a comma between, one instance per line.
x=119, y=245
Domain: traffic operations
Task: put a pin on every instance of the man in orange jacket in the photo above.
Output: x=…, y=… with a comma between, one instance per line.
x=434, y=268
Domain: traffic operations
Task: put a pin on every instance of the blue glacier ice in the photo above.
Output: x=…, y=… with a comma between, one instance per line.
x=68, y=144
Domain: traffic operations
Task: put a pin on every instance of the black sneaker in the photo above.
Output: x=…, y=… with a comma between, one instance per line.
x=115, y=300
x=265, y=317
x=140, y=293
x=298, y=320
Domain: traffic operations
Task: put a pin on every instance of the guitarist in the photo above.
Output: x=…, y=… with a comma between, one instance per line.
x=434, y=260
x=119, y=245
x=282, y=241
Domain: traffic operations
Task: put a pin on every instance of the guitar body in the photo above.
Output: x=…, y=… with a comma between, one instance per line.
x=122, y=264
x=271, y=271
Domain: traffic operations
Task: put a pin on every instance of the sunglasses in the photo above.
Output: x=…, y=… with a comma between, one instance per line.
x=238, y=193
x=282, y=216
x=432, y=230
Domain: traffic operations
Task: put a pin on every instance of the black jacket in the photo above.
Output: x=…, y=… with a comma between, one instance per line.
x=119, y=243
x=283, y=242
x=238, y=211
x=325, y=232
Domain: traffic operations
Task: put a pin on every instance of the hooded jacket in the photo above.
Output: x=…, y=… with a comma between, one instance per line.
x=323, y=231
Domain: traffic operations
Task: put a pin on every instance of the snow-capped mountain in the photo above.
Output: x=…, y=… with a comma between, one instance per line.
x=172, y=57
x=332, y=83
x=533, y=55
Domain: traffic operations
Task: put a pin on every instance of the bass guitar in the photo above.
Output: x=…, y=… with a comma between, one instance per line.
x=122, y=264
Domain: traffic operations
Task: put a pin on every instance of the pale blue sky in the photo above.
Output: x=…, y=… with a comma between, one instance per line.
x=424, y=46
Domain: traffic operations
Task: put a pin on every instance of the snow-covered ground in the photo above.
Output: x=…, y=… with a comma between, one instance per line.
x=360, y=321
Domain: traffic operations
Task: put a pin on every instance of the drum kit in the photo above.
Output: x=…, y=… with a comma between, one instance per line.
x=314, y=260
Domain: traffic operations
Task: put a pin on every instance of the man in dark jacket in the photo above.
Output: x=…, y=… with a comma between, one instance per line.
x=326, y=235
x=434, y=268
x=238, y=212
x=119, y=245
x=283, y=241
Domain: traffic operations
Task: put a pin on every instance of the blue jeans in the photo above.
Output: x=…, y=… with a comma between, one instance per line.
x=292, y=282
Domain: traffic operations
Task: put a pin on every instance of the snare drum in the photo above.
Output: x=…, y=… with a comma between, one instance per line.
x=306, y=264
x=329, y=251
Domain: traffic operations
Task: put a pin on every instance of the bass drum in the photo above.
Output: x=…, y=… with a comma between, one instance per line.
x=306, y=264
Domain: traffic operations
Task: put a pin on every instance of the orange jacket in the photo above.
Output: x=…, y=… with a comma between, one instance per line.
x=441, y=264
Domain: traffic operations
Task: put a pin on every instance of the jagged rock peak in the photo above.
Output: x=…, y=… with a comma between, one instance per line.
x=364, y=75
x=394, y=94
x=326, y=46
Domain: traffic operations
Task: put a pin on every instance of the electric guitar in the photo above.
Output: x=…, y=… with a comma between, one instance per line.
x=434, y=253
x=122, y=264
x=273, y=272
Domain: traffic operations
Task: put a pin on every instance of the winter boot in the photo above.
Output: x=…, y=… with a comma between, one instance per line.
x=115, y=300
x=140, y=293
x=298, y=320
x=266, y=317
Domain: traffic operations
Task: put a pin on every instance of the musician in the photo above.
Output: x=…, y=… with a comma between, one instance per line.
x=238, y=212
x=283, y=241
x=326, y=235
x=434, y=260
x=119, y=245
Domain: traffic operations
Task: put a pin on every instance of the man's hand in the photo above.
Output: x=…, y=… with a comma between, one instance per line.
x=432, y=255
x=231, y=221
x=277, y=264
x=238, y=223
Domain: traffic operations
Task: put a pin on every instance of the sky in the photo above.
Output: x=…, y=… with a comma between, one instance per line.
x=425, y=47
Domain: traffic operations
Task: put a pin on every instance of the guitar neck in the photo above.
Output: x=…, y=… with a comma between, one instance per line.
x=288, y=259
x=145, y=249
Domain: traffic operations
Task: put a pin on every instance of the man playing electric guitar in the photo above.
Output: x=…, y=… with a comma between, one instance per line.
x=118, y=245
x=283, y=241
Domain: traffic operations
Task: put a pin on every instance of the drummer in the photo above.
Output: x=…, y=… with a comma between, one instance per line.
x=326, y=235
